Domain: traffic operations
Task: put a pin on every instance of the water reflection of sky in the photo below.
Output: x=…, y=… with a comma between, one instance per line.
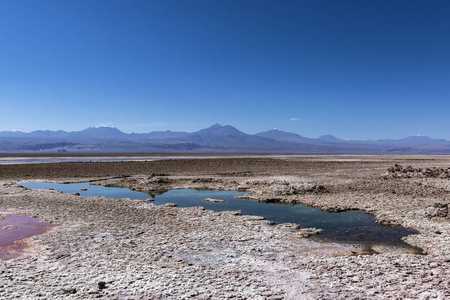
x=349, y=227
x=60, y=160
x=40, y=160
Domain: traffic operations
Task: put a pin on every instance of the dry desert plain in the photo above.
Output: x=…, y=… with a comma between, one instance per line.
x=132, y=249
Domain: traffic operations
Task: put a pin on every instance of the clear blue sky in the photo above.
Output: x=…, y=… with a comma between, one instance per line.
x=354, y=69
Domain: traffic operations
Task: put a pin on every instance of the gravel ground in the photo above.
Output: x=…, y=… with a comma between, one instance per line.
x=127, y=249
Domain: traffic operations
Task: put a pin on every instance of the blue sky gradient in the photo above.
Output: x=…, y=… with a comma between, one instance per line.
x=354, y=69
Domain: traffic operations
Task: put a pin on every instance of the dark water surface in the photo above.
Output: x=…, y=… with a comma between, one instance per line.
x=351, y=227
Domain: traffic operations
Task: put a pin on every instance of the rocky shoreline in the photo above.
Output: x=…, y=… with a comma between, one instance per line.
x=127, y=249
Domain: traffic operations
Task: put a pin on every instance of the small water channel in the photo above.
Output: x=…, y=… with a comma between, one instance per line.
x=351, y=227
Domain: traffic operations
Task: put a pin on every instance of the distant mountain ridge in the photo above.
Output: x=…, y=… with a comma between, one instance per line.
x=214, y=139
x=328, y=137
x=283, y=136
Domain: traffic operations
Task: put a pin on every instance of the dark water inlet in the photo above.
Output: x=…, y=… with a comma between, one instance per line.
x=351, y=227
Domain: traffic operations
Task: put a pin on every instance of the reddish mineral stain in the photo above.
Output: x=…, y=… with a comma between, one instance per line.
x=14, y=229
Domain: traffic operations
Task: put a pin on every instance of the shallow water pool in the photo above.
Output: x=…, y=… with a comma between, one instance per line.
x=351, y=227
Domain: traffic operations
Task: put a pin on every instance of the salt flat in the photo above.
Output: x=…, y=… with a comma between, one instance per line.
x=121, y=248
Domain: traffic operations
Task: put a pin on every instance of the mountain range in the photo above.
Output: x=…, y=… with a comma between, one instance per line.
x=215, y=139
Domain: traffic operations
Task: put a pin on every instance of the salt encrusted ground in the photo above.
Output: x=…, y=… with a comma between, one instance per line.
x=129, y=249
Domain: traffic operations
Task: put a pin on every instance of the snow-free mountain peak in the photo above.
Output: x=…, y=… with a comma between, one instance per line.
x=279, y=135
x=102, y=131
x=421, y=139
x=328, y=138
x=215, y=126
x=218, y=131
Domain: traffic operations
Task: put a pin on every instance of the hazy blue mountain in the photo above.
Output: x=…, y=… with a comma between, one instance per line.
x=159, y=135
x=279, y=135
x=100, y=132
x=12, y=133
x=215, y=139
x=215, y=132
x=229, y=139
x=421, y=140
x=48, y=134
x=328, y=138
x=415, y=144
x=226, y=137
